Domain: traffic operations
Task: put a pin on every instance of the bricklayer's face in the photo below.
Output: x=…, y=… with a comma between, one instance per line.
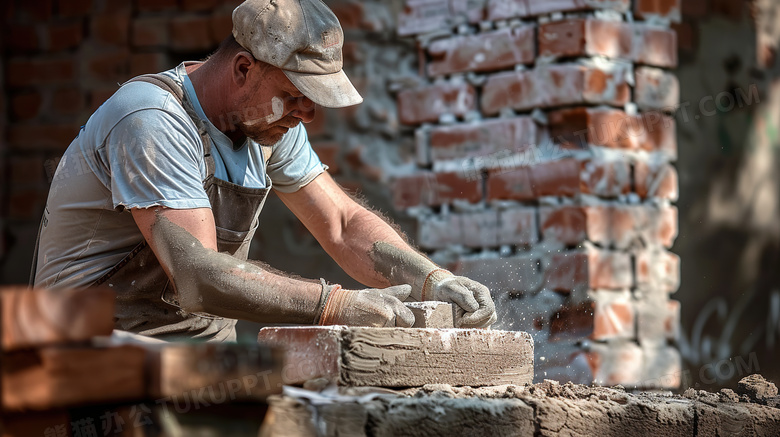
x=270, y=105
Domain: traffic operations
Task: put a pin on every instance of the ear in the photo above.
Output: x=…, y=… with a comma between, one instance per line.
x=242, y=63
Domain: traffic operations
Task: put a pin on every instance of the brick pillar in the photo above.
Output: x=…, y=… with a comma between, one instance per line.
x=544, y=154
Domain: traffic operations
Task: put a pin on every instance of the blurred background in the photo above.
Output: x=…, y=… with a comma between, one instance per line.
x=468, y=139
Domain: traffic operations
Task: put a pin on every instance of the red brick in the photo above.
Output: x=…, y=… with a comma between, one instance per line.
x=655, y=180
x=429, y=103
x=541, y=7
x=591, y=37
x=587, y=269
x=620, y=226
x=483, y=52
x=478, y=229
x=26, y=203
x=431, y=189
x=605, y=315
x=67, y=101
x=618, y=362
x=656, y=89
x=422, y=16
x=517, y=226
x=349, y=12
x=155, y=5
x=40, y=71
x=609, y=178
x=471, y=11
x=64, y=36
x=505, y=9
x=222, y=25
x=143, y=63
x=668, y=9
x=21, y=38
x=554, y=85
x=38, y=11
x=26, y=171
x=111, y=28
x=25, y=106
x=666, y=231
x=657, y=270
x=483, y=139
x=150, y=31
x=514, y=184
x=56, y=137
x=191, y=33
x=73, y=8
x=513, y=274
x=328, y=152
x=576, y=128
x=197, y=5
x=109, y=66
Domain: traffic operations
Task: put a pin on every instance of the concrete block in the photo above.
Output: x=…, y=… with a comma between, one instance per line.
x=403, y=357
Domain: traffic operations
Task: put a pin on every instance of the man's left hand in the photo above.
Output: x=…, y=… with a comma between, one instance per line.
x=475, y=307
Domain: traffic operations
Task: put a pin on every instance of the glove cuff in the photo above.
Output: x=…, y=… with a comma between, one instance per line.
x=430, y=282
x=326, y=291
x=334, y=303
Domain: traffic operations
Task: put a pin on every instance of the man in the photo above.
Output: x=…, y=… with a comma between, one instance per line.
x=159, y=195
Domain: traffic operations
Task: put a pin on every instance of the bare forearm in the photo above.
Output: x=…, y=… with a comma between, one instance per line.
x=373, y=253
x=217, y=283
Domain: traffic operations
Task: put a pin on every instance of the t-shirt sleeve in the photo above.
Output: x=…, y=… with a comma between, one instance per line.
x=154, y=159
x=294, y=163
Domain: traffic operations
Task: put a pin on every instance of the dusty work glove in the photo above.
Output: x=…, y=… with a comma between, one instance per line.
x=475, y=308
x=369, y=307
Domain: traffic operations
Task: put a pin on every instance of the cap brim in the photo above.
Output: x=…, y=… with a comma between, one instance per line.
x=329, y=90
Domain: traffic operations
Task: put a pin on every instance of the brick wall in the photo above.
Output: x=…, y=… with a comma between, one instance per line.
x=524, y=143
x=544, y=168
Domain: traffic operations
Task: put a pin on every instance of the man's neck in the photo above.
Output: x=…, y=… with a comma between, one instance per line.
x=210, y=89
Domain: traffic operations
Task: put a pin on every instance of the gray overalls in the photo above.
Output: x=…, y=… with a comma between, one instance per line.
x=146, y=299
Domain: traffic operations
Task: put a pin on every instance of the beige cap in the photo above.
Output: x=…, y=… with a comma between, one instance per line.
x=304, y=39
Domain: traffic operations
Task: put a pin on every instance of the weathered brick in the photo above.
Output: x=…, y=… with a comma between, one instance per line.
x=604, y=315
x=656, y=89
x=421, y=16
x=502, y=276
x=191, y=33
x=517, y=226
x=616, y=362
x=429, y=103
x=150, y=31
x=666, y=231
x=555, y=85
x=26, y=203
x=591, y=37
x=620, y=226
x=350, y=13
x=63, y=36
x=607, y=178
x=27, y=137
x=505, y=9
x=470, y=11
x=155, y=5
x=328, y=152
x=662, y=367
x=26, y=170
x=438, y=231
x=434, y=189
x=144, y=63
x=67, y=101
x=40, y=71
x=653, y=180
x=221, y=25
x=111, y=28
x=589, y=268
x=657, y=269
x=73, y=8
x=21, y=38
x=665, y=9
x=109, y=66
x=515, y=184
x=422, y=356
x=540, y=7
x=197, y=5
x=26, y=105
x=658, y=319
x=483, y=52
x=479, y=229
x=482, y=139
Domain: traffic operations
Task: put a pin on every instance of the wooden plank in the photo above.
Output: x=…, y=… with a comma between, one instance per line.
x=36, y=317
x=403, y=357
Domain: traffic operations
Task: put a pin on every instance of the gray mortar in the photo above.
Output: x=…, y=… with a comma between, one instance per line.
x=545, y=409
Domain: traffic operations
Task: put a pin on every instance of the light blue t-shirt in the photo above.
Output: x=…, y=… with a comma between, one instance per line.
x=141, y=149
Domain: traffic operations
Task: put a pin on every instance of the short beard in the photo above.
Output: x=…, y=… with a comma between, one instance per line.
x=266, y=135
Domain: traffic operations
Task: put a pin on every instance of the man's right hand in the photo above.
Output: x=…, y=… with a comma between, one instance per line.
x=369, y=307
